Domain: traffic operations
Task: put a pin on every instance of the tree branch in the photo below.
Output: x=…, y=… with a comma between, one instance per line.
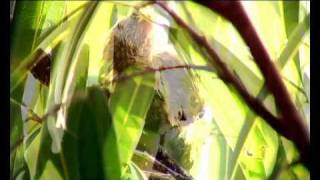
x=233, y=10
x=291, y=120
x=152, y=70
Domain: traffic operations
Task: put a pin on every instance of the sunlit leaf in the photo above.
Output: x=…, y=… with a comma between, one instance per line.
x=101, y=132
x=136, y=173
x=128, y=110
x=26, y=24
x=64, y=71
x=54, y=36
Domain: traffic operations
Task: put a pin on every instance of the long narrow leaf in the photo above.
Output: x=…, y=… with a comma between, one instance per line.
x=128, y=110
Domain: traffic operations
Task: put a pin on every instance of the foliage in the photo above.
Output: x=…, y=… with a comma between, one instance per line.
x=82, y=126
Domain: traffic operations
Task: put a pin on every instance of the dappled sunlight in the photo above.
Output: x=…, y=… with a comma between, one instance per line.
x=160, y=90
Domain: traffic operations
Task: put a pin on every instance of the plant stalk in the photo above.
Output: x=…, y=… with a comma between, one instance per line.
x=291, y=120
x=290, y=124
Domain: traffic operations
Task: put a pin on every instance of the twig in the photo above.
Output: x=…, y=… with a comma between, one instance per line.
x=301, y=90
x=146, y=155
x=54, y=109
x=291, y=120
x=34, y=117
x=159, y=175
x=16, y=144
x=137, y=6
x=225, y=74
x=144, y=4
x=63, y=20
x=154, y=21
x=151, y=70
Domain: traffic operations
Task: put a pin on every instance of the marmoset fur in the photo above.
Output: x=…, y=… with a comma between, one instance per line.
x=178, y=102
x=130, y=43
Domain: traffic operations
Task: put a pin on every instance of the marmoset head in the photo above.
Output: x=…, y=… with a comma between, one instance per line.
x=130, y=42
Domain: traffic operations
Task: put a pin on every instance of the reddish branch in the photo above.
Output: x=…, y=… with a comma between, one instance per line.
x=290, y=124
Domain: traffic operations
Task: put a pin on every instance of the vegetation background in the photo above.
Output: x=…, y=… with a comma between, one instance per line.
x=58, y=78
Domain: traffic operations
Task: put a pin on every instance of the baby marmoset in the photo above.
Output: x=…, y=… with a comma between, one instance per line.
x=131, y=43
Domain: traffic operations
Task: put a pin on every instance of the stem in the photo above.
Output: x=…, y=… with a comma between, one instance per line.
x=34, y=116
x=291, y=120
x=16, y=144
x=152, y=70
x=225, y=74
x=155, y=161
x=158, y=175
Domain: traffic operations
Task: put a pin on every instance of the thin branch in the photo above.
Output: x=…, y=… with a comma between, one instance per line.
x=154, y=160
x=152, y=70
x=135, y=6
x=63, y=20
x=34, y=116
x=159, y=175
x=144, y=4
x=153, y=21
x=291, y=120
x=16, y=144
x=225, y=74
x=299, y=89
x=54, y=110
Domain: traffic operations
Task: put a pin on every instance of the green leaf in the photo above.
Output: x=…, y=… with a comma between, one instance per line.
x=89, y=122
x=265, y=16
x=22, y=37
x=291, y=52
x=294, y=41
x=27, y=22
x=229, y=142
x=65, y=74
x=96, y=37
x=136, y=173
x=284, y=169
x=247, y=73
x=231, y=48
x=51, y=172
x=291, y=15
x=16, y=123
x=51, y=40
x=18, y=168
x=129, y=105
x=79, y=83
x=35, y=97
